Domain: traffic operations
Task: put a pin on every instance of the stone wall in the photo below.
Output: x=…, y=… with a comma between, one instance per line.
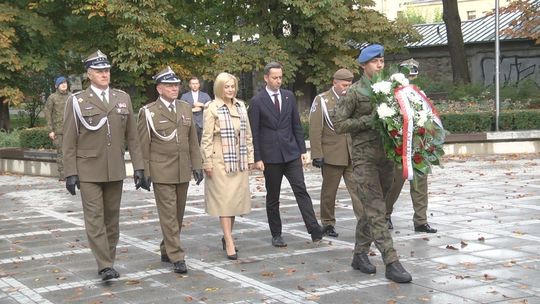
x=520, y=60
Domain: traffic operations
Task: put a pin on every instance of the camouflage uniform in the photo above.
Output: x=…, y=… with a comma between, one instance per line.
x=372, y=170
x=54, y=114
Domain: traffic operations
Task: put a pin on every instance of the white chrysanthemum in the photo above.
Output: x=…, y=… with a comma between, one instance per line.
x=382, y=87
x=385, y=111
x=423, y=116
x=399, y=77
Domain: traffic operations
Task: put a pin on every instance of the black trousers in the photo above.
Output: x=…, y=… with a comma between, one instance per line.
x=293, y=171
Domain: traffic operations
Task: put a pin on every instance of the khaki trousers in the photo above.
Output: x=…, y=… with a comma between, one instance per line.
x=101, y=208
x=419, y=196
x=59, y=156
x=331, y=178
x=171, y=204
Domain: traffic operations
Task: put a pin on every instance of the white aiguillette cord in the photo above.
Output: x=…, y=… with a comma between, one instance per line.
x=150, y=126
x=77, y=111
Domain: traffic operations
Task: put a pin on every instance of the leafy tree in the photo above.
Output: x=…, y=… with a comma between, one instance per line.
x=311, y=38
x=528, y=22
x=27, y=47
x=460, y=69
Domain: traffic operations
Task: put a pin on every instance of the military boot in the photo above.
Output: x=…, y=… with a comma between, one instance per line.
x=396, y=273
x=361, y=262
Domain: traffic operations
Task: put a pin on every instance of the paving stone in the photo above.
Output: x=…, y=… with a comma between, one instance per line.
x=481, y=201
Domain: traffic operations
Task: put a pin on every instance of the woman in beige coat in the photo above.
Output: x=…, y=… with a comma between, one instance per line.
x=227, y=150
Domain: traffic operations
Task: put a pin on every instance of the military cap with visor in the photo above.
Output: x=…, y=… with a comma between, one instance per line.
x=97, y=61
x=166, y=75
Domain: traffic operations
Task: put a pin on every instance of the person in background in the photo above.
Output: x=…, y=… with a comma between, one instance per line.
x=197, y=99
x=373, y=171
x=280, y=150
x=98, y=125
x=227, y=151
x=54, y=115
x=418, y=186
x=171, y=154
x=332, y=152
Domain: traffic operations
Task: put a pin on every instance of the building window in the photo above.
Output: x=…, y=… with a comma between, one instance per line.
x=471, y=15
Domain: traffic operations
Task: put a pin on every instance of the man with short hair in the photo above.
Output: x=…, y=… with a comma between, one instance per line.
x=54, y=115
x=171, y=154
x=331, y=151
x=280, y=150
x=373, y=171
x=98, y=125
x=197, y=99
x=418, y=187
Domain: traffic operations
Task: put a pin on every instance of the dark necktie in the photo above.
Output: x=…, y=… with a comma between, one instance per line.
x=171, y=107
x=104, y=98
x=276, y=102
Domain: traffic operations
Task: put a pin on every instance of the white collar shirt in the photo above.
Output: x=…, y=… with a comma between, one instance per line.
x=272, y=93
x=99, y=93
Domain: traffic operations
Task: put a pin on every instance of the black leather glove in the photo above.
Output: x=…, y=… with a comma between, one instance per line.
x=198, y=175
x=317, y=162
x=140, y=180
x=71, y=182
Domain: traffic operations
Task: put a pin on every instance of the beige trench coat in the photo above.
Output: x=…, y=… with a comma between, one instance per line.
x=226, y=194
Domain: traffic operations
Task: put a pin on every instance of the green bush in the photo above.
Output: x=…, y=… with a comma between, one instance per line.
x=467, y=122
x=35, y=138
x=8, y=140
x=519, y=120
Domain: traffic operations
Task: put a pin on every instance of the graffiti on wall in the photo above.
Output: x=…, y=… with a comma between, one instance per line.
x=513, y=69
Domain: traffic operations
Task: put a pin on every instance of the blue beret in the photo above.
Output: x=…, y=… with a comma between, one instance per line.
x=167, y=75
x=59, y=80
x=370, y=52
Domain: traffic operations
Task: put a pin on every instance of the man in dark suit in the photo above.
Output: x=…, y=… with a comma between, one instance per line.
x=279, y=148
x=197, y=99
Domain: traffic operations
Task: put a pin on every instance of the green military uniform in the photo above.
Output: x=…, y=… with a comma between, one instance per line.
x=169, y=161
x=336, y=150
x=54, y=115
x=419, y=196
x=96, y=154
x=372, y=170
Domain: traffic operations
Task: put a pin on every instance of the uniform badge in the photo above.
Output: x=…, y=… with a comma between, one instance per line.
x=163, y=121
x=88, y=108
x=122, y=105
x=80, y=100
x=152, y=114
x=313, y=107
x=118, y=110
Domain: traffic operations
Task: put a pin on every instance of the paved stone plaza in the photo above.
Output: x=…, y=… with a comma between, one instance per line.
x=487, y=211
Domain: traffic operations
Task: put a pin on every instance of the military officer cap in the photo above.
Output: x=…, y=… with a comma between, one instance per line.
x=410, y=64
x=167, y=75
x=97, y=61
x=343, y=74
x=370, y=52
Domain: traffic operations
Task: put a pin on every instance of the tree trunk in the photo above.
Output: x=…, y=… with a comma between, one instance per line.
x=4, y=115
x=460, y=69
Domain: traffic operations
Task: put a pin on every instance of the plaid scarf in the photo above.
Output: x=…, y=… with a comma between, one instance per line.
x=233, y=161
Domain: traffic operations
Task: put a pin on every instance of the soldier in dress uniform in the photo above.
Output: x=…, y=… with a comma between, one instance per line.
x=54, y=115
x=418, y=186
x=98, y=124
x=171, y=154
x=373, y=171
x=332, y=152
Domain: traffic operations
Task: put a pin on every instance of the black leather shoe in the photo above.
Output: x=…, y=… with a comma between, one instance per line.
x=233, y=257
x=389, y=223
x=425, y=228
x=165, y=258
x=180, y=266
x=108, y=273
x=225, y=245
x=277, y=241
x=317, y=234
x=396, y=273
x=361, y=262
x=329, y=230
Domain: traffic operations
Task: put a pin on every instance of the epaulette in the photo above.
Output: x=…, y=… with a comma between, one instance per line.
x=183, y=101
x=118, y=90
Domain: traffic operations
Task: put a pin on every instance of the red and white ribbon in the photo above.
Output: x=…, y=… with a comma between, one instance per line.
x=407, y=113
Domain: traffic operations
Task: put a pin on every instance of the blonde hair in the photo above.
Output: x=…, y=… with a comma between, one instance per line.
x=219, y=84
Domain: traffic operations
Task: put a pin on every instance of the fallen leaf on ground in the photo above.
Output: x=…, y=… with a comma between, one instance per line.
x=451, y=247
